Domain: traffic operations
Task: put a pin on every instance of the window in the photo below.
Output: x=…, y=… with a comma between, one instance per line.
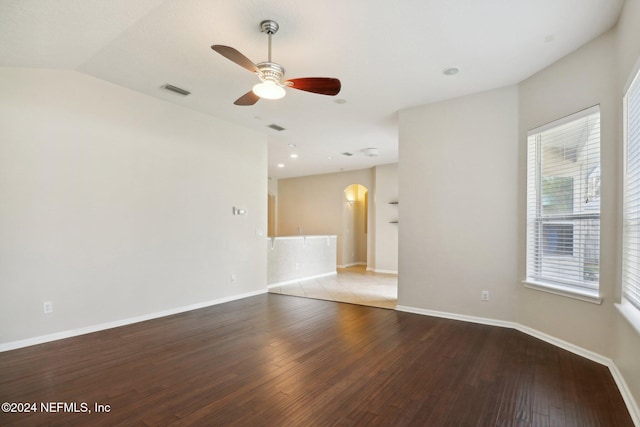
x=563, y=205
x=631, y=197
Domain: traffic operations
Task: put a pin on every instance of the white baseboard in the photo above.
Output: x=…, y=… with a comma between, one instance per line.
x=580, y=351
x=288, y=282
x=352, y=264
x=454, y=316
x=13, y=345
x=632, y=405
x=385, y=271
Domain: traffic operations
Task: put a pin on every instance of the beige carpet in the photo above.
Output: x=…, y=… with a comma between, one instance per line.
x=353, y=285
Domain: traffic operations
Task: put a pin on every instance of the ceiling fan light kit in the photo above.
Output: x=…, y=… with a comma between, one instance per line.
x=269, y=90
x=271, y=74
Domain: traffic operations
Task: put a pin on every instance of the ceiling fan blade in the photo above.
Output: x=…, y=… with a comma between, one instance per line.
x=235, y=56
x=321, y=85
x=248, y=98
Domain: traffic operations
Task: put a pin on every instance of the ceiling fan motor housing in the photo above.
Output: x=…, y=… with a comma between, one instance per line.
x=271, y=71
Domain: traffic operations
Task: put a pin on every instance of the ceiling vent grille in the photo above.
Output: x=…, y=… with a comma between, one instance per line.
x=176, y=89
x=276, y=127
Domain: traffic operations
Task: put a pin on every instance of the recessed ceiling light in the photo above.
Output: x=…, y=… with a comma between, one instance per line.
x=294, y=156
x=451, y=71
x=280, y=165
x=291, y=145
x=330, y=157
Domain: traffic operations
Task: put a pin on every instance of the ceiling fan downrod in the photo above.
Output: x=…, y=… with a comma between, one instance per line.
x=270, y=27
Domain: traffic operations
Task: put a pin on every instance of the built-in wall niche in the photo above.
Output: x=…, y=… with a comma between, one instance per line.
x=394, y=220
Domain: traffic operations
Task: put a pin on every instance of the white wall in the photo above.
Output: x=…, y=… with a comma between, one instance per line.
x=594, y=74
x=386, y=244
x=272, y=187
x=578, y=81
x=458, y=193
x=463, y=184
x=114, y=204
x=626, y=347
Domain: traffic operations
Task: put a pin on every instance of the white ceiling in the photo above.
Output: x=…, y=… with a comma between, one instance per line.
x=389, y=55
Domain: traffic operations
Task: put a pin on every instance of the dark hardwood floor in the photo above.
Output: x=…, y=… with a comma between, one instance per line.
x=276, y=360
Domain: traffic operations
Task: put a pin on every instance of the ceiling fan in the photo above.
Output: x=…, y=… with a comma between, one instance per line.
x=271, y=74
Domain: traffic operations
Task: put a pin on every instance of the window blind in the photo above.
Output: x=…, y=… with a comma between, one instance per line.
x=631, y=196
x=563, y=202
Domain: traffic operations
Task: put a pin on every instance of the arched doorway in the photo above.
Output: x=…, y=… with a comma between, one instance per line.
x=354, y=226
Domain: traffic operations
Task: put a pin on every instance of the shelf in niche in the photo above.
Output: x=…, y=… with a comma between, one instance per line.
x=393, y=222
x=393, y=203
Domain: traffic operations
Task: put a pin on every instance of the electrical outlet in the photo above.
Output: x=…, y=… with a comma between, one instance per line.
x=47, y=307
x=484, y=296
x=297, y=266
x=234, y=278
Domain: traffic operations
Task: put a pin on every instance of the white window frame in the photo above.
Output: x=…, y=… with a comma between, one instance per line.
x=572, y=285
x=630, y=304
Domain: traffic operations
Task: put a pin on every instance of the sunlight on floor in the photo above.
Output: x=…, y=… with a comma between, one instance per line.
x=353, y=285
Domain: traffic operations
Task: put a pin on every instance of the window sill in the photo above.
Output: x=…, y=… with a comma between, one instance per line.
x=630, y=313
x=565, y=291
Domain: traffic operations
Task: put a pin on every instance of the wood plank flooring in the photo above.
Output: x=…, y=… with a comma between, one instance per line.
x=275, y=360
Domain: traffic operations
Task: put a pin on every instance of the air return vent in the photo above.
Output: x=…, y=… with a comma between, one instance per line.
x=276, y=127
x=176, y=89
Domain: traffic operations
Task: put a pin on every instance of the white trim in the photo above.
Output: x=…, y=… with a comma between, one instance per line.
x=455, y=316
x=513, y=325
x=632, y=405
x=303, y=236
x=627, y=396
x=351, y=264
x=301, y=279
x=13, y=345
x=580, y=351
x=385, y=271
x=565, y=291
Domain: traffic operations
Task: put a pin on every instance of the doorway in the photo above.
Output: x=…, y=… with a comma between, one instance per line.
x=271, y=215
x=355, y=217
